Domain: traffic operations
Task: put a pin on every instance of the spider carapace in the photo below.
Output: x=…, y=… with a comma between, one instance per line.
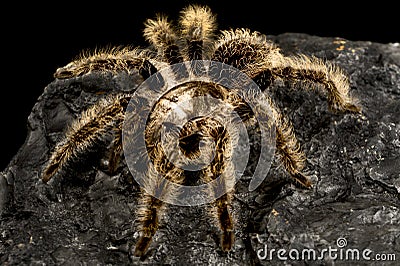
x=195, y=38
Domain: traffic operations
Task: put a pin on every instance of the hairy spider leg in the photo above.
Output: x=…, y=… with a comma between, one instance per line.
x=161, y=34
x=151, y=208
x=83, y=134
x=197, y=28
x=152, y=205
x=263, y=62
x=315, y=73
x=116, y=149
x=112, y=60
x=245, y=50
x=148, y=217
x=221, y=171
x=288, y=147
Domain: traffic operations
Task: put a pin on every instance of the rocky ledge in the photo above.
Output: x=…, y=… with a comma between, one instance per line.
x=352, y=210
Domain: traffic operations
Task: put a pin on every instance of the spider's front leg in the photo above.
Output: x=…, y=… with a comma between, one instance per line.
x=149, y=213
x=221, y=171
x=220, y=208
x=197, y=28
x=161, y=34
x=151, y=208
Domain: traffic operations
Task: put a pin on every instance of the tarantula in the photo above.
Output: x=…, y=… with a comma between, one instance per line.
x=195, y=39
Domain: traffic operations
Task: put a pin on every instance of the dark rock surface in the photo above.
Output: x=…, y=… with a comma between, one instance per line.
x=353, y=161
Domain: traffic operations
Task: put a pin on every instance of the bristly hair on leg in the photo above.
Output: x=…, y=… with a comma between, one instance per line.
x=114, y=60
x=93, y=125
x=160, y=33
x=262, y=60
x=311, y=73
x=247, y=51
x=116, y=149
x=287, y=146
x=149, y=211
x=198, y=25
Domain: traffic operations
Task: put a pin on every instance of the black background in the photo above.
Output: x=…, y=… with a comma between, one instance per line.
x=38, y=39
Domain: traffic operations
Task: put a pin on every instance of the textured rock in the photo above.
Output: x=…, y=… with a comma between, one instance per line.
x=353, y=161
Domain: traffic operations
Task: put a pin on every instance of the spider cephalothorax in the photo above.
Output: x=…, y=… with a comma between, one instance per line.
x=195, y=39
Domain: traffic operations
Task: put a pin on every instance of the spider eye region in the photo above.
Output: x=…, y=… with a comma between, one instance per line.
x=197, y=121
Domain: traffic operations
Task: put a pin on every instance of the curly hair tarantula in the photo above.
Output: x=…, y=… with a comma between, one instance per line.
x=194, y=39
